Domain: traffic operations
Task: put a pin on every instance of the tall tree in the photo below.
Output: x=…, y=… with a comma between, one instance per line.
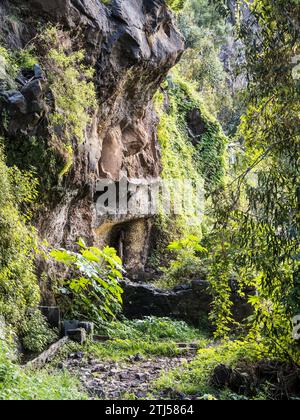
x=258, y=226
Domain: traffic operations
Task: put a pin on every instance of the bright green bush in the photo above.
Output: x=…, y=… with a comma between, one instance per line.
x=18, y=283
x=176, y=5
x=187, y=264
x=36, y=333
x=93, y=292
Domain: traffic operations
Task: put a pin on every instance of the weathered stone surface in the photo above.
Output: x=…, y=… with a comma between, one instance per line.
x=47, y=355
x=132, y=44
x=190, y=305
x=78, y=335
x=88, y=327
x=26, y=106
x=68, y=325
x=111, y=380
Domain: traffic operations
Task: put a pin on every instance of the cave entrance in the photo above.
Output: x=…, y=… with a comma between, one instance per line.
x=117, y=239
x=131, y=240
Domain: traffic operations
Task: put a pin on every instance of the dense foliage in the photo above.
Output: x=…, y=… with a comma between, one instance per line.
x=239, y=75
x=199, y=158
x=251, y=231
x=19, y=290
x=18, y=384
x=257, y=234
x=209, y=59
x=36, y=333
x=93, y=292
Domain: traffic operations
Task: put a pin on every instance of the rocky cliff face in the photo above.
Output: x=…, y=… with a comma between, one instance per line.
x=131, y=44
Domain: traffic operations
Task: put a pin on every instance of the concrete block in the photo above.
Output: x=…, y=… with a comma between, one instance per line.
x=78, y=335
x=52, y=314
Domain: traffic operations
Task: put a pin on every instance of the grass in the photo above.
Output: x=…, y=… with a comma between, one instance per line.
x=151, y=337
x=153, y=329
x=44, y=385
x=121, y=349
x=195, y=378
x=17, y=383
x=148, y=337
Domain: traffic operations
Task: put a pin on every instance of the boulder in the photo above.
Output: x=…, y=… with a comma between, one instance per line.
x=26, y=106
x=52, y=314
x=71, y=325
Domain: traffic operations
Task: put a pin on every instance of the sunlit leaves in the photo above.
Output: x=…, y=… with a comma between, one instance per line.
x=264, y=232
x=93, y=292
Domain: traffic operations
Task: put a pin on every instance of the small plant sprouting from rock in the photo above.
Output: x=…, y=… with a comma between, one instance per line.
x=71, y=84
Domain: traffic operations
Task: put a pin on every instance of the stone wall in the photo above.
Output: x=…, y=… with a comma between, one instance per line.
x=190, y=303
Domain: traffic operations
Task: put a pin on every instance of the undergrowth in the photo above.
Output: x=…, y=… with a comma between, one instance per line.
x=17, y=383
x=148, y=337
x=19, y=289
x=195, y=379
x=36, y=333
x=153, y=329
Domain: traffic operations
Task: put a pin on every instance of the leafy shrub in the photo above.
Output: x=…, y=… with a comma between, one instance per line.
x=24, y=58
x=93, y=292
x=187, y=265
x=18, y=284
x=37, y=334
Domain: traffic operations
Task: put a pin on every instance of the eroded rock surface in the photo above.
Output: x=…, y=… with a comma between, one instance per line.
x=131, y=44
x=190, y=303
